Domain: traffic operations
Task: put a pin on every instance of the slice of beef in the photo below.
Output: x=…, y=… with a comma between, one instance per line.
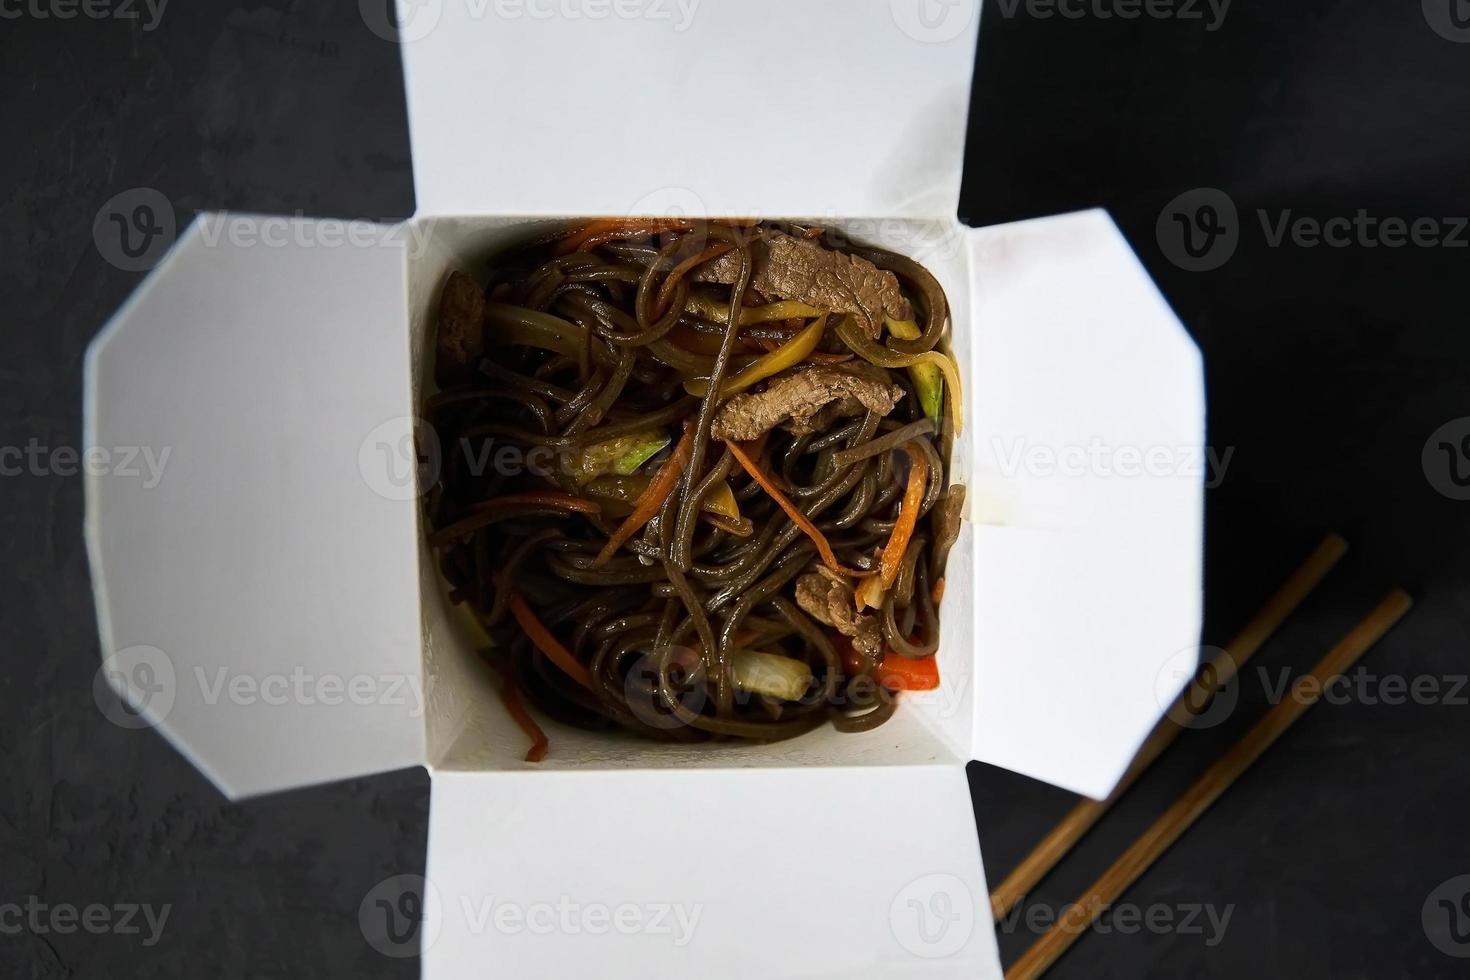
x=461, y=341
x=829, y=600
x=810, y=399
x=795, y=268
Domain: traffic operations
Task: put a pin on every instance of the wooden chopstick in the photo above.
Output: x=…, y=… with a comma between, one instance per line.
x=1217, y=779
x=1219, y=670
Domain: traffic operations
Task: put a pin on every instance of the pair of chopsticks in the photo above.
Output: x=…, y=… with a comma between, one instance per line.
x=1169, y=827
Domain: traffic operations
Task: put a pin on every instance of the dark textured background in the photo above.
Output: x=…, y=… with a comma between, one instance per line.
x=1328, y=369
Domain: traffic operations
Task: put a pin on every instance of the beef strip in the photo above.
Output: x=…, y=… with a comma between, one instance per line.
x=798, y=269
x=829, y=600
x=810, y=399
x=461, y=329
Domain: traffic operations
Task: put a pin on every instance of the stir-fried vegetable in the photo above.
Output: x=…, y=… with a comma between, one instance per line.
x=666, y=291
x=773, y=675
x=788, y=355
x=853, y=336
x=532, y=328
x=652, y=498
x=607, y=229
x=486, y=512
x=869, y=592
x=824, y=548
x=739, y=526
x=510, y=693
x=928, y=378
x=549, y=644
x=907, y=674
x=711, y=307
x=721, y=500
x=627, y=489
x=620, y=456
x=908, y=515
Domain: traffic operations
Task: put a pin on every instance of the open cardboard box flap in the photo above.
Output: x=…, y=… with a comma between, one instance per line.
x=263, y=554
x=810, y=873
x=816, y=107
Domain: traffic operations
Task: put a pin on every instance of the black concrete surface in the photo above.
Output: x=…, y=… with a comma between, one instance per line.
x=1329, y=368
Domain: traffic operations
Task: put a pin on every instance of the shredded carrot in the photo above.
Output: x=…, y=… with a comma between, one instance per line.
x=542, y=498
x=594, y=233
x=905, y=674
x=937, y=593
x=510, y=693
x=653, y=496
x=483, y=511
x=908, y=515
x=549, y=644
x=797, y=517
x=666, y=288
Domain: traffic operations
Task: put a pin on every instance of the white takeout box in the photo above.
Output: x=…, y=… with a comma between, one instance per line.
x=281, y=368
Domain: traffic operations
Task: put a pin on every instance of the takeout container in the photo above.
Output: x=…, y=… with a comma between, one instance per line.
x=283, y=372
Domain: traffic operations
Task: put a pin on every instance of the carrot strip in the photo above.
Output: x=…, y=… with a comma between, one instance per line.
x=510, y=693
x=666, y=288
x=908, y=515
x=549, y=644
x=904, y=674
x=594, y=233
x=653, y=497
x=483, y=513
x=542, y=498
x=797, y=517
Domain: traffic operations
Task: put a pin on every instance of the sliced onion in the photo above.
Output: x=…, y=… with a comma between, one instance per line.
x=773, y=675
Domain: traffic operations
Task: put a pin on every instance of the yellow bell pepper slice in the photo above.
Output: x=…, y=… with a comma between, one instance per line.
x=789, y=354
